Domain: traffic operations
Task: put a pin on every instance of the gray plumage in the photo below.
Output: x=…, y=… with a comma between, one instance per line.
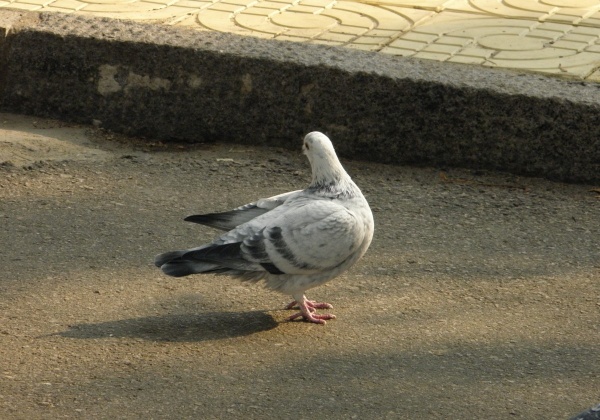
x=293, y=241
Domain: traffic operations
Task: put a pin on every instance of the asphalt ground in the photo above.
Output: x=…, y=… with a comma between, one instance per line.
x=479, y=297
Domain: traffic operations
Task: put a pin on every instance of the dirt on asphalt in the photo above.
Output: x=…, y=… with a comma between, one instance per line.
x=478, y=299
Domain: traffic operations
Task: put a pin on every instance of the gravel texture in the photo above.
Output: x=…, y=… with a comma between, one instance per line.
x=479, y=297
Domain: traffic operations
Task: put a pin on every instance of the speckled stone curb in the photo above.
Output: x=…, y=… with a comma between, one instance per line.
x=178, y=84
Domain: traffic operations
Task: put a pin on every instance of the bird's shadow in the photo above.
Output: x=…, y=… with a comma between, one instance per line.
x=185, y=327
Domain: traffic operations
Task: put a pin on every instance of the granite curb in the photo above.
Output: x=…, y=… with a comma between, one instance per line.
x=184, y=85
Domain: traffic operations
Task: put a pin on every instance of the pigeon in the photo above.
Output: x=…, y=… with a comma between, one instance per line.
x=293, y=241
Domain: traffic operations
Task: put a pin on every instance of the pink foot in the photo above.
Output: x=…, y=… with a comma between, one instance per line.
x=308, y=309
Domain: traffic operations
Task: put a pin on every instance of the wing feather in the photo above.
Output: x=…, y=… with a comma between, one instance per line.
x=231, y=219
x=305, y=238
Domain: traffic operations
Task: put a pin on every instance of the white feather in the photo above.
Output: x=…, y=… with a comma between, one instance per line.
x=292, y=241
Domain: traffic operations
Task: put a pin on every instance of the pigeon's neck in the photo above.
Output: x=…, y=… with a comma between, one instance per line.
x=328, y=174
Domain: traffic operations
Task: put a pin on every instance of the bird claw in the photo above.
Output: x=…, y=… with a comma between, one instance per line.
x=308, y=309
x=310, y=304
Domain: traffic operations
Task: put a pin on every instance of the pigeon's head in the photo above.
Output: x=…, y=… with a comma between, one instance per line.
x=317, y=144
x=325, y=165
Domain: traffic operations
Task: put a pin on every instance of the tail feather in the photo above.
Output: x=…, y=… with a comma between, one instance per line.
x=181, y=268
x=162, y=259
x=227, y=220
x=225, y=259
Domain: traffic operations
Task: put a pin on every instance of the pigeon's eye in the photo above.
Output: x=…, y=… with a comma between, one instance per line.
x=306, y=145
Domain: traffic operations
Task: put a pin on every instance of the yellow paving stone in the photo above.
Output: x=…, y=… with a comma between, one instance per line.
x=197, y=3
x=258, y=34
x=511, y=43
x=476, y=52
x=593, y=21
x=560, y=18
x=371, y=40
x=579, y=60
x=464, y=59
x=531, y=55
x=569, y=15
x=457, y=24
x=122, y=8
x=419, y=37
x=573, y=37
x=348, y=18
x=58, y=9
x=304, y=9
x=397, y=51
x=549, y=36
x=349, y=30
x=303, y=33
x=362, y=47
x=432, y=55
x=25, y=6
x=593, y=48
x=390, y=21
x=594, y=77
x=192, y=4
x=160, y=13
x=544, y=34
x=581, y=72
x=271, y=5
x=495, y=8
x=36, y=2
x=584, y=30
x=225, y=7
x=258, y=23
x=186, y=21
x=573, y=3
x=164, y=3
x=259, y=11
x=383, y=17
x=408, y=45
x=583, y=59
x=441, y=48
x=111, y=2
x=542, y=6
x=282, y=3
x=435, y=5
x=319, y=3
x=558, y=27
x=337, y=38
x=67, y=4
x=295, y=21
x=326, y=42
x=217, y=21
x=247, y=3
x=291, y=38
x=570, y=45
x=456, y=40
x=391, y=34
x=483, y=30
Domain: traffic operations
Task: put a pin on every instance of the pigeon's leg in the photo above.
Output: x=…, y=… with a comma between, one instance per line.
x=308, y=309
x=310, y=303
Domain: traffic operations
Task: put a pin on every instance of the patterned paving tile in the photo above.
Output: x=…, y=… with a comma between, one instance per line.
x=550, y=36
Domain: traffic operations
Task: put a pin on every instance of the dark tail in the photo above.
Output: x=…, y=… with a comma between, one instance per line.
x=207, y=259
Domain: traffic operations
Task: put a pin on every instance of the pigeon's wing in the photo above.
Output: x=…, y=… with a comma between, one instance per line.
x=309, y=237
x=305, y=237
x=230, y=219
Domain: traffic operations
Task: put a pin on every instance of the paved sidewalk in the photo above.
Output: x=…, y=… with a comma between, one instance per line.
x=559, y=37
